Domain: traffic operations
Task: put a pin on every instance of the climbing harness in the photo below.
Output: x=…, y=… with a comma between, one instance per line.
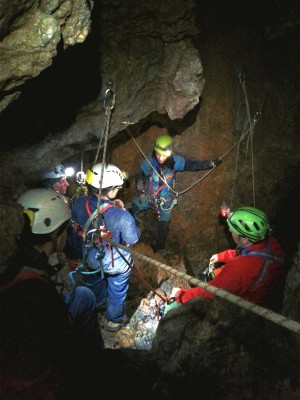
x=248, y=130
x=158, y=202
x=267, y=259
x=91, y=239
x=161, y=176
x=108, y=105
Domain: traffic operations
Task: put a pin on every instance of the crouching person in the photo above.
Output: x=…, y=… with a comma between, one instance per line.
x=254, y=270
x=43, y=336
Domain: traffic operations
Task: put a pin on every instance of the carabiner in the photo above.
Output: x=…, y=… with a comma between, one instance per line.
x=242, y=77
x=109, y=93
x=80, y=177
x=257, y=116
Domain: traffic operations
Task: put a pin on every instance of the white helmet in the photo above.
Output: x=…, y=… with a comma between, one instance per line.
x=57, y=172
x=112, y=176
x=46, y=209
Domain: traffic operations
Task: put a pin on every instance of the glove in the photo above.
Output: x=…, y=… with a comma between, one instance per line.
x=215, y=163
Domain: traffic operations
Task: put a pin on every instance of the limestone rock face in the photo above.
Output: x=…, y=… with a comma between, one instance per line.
x=216, y=350
x=146, y=53
x=30, y=34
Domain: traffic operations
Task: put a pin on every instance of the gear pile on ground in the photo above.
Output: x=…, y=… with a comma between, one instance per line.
x=140, y=330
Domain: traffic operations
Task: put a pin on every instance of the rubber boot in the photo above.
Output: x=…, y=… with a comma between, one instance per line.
x=161, y=236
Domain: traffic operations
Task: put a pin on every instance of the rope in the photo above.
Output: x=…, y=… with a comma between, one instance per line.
x=293, y=326
x=243, y=135
x=137, y=273
x=248, y=119
x=108, y=104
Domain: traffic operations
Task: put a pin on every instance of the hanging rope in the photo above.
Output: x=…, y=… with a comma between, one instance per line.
x=279, y=319
x=139, y=276
x=248, y=130
x=242, y=137
x=108, y=104
x=249, y=121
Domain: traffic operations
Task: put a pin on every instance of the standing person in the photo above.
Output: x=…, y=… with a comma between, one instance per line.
x=42, y=333
x=155, y=184
x=114, y=265
x=56, y=179
x=255, y=270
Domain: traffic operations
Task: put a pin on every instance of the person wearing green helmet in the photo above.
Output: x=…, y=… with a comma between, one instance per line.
x=254, y=270
x=155, y=184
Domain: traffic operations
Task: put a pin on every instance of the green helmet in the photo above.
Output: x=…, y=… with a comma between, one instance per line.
x=249, y=222
x=163, y=144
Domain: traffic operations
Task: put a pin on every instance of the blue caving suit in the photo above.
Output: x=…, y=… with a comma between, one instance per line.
x=111, y=284
x=157, y=195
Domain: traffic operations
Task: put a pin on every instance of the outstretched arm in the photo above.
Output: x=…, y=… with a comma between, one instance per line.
x=199, y=165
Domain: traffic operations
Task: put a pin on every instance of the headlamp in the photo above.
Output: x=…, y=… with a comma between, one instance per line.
x=69, y=171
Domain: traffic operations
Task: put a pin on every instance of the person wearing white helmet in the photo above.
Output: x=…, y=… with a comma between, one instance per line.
x=55, y=178
x=42, y=325
x=115, y=264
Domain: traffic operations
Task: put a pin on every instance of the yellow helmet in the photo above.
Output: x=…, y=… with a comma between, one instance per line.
x=164, y=145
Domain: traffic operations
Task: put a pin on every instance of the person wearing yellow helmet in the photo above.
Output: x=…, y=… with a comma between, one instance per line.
x=155, y=184
x=254, y=270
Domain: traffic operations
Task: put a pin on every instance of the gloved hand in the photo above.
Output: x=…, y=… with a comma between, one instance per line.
x=215, y=163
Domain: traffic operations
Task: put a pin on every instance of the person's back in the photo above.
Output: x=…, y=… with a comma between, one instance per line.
x=118, y=221
x=110, y=267
x=44, y=339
